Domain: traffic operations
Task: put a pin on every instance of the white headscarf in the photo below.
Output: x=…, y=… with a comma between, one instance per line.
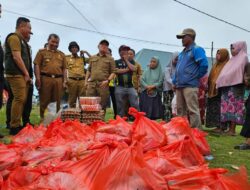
x=169, y=73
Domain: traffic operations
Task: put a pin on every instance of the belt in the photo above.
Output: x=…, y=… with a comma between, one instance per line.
x=51, y=75
x=76, y=78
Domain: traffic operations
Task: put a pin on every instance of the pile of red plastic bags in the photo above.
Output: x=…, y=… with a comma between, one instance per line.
x=143, y=155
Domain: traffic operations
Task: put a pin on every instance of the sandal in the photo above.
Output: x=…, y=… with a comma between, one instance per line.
x=243, y=146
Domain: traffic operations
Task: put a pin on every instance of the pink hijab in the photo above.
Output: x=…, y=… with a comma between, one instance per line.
x=233, y=72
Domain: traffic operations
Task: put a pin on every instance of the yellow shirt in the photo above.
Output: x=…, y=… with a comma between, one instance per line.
x=75, y=66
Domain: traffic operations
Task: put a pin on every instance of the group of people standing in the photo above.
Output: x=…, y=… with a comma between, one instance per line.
x=220, y=99
x=185, y=79
x=54, y=72
x=228, y=93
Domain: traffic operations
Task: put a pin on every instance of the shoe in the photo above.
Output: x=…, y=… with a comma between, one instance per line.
x=242, y=146
x=15, y=130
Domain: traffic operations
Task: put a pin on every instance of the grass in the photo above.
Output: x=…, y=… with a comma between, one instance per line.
x=225, y=155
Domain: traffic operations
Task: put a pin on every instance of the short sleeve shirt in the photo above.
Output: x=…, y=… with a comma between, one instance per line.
x=101, y=67
x=51, y=62
x=14, y=43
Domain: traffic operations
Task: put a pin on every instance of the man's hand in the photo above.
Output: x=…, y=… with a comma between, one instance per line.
x=82, y=52
x=104, y=84
x=150, y=87
x=38, y=84
x=125, y=57
x=173, y=88
x=27, y=78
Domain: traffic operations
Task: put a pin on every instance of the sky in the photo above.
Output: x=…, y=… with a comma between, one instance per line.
x=151, y=20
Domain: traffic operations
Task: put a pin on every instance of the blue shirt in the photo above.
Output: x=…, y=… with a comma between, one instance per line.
x=191, y=66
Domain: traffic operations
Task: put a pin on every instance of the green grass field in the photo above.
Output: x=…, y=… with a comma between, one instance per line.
x=225, y=155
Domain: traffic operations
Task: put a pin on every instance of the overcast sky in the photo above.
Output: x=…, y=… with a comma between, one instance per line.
x=153, y=20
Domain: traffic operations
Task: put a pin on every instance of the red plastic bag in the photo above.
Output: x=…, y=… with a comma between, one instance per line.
x=40, y=155
x=235, y=181
x=201, y=142
x=20, y=177
x=150, y=133
x=29, y=135
x=188, y=150
x=87, y=168
x=177, y=129
x=127, y=170
x=56, y=181
x=118, y=127
x=164, y=163
x=59, y=133
x=105, y=137
x=10, y=158
x=207, y=179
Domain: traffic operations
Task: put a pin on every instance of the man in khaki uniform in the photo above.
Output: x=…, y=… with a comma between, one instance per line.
x=17, y=65
x=50, y=72
x=137, y=73
x=76, y=74
x=100, y=72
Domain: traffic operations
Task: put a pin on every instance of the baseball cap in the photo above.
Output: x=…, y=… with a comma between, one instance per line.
x=104, y=42
x=187, y=31
x=124, y=48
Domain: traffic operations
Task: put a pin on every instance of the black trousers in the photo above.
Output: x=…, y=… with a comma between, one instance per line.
x=112, y=95
x=245, y=132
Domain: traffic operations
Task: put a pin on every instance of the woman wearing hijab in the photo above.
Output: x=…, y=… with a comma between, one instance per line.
x=168, y=92
x=214, y=97
x=230, y=81
x=245, y=131
x=151, y=85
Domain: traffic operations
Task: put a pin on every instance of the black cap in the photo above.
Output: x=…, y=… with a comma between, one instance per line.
x=73, y=44
x=124, y=48
x=104, y=42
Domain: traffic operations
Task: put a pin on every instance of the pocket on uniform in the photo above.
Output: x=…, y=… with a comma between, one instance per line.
x=106, y=64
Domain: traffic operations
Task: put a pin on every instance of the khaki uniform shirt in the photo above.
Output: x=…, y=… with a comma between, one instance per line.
x=14, y=43
x=75, y=66
x=100, y=67
x=50, y=61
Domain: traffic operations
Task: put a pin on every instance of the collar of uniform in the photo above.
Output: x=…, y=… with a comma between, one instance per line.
x=72, y=56
x=52, y=50
x=104, y=55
